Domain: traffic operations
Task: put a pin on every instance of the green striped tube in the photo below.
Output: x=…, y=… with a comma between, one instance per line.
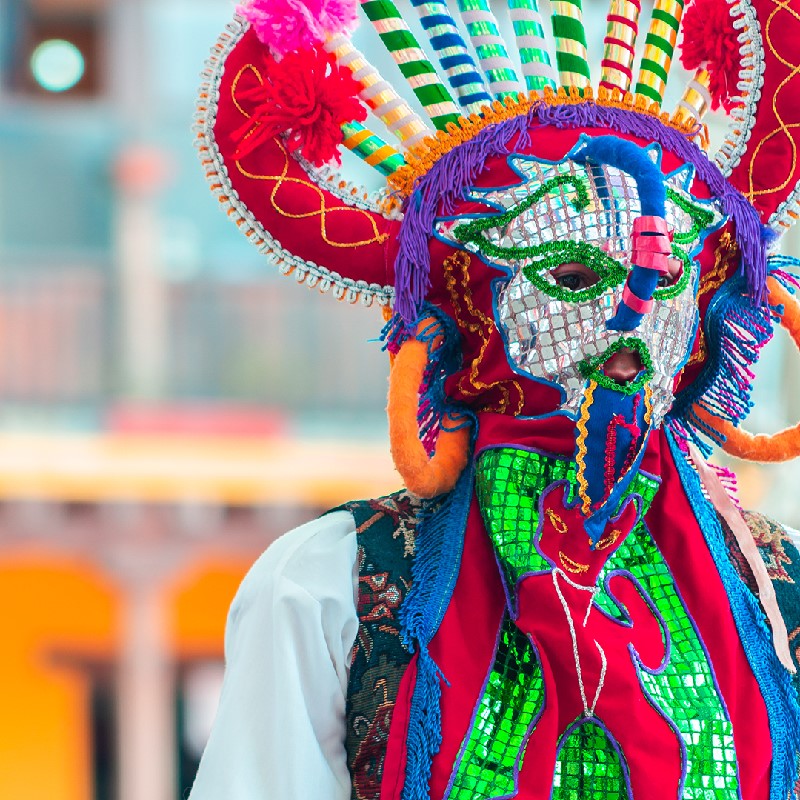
x=658, y=49
x=571, y=54
x=371, y=148
x=414, y=65
x=490, y=47
x=537, y=67
x=454, y=57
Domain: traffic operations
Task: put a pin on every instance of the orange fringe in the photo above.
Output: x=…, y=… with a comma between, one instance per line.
x=423, y=476
x=785, y=444
x=423, y=156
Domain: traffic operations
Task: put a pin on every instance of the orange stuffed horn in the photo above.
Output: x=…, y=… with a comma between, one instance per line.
x=423, y=475
x=785, y=444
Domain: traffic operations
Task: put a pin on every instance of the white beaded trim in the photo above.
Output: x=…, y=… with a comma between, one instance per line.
x=786, y=213
x=751, y=79
x=314, y=275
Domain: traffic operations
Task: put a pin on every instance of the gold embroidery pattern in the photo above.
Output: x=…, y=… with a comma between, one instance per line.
x=475, y=321
x=283, y=179
x=575, y=567
x=782, y=126
x=558, y=524
x=608, y=539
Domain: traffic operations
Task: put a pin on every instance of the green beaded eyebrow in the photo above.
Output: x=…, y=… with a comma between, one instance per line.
x=471, y=232
x=701, y=217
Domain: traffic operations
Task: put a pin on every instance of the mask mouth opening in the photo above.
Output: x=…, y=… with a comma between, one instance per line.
x=623, y=366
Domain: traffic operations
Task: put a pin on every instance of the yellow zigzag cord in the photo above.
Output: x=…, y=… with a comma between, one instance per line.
x=583, y=484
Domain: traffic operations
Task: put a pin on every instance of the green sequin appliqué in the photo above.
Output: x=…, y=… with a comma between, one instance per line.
x=597, y=778
x=511, y=700
x=509, y=484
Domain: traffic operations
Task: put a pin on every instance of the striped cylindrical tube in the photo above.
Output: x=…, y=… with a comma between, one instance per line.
x=619, y=46
x=453, y=55
x=572, y=57
x=371, y=148
x=658, y=49
x=412, y=61
x=537, y=68
x=696, y=98
x=491, y=49
x=379, y=95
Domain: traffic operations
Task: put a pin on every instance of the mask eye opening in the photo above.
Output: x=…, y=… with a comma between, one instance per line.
x=574, y=276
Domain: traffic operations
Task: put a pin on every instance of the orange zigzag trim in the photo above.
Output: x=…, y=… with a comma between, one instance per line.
x=423, y=156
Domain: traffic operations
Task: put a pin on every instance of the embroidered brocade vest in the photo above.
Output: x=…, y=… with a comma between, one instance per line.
x=385, y=529
x=513, y=697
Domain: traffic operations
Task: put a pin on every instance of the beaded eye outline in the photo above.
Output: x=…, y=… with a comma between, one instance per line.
x=490, y=235
x=609, y=271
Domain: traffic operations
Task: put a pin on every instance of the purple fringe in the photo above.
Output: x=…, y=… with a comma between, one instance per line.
x=457, y=169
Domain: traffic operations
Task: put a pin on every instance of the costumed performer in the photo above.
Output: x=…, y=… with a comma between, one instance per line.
x=566, y=601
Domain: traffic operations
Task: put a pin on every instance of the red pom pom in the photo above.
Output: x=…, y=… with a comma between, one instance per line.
x=307, y=95
x=710, y=41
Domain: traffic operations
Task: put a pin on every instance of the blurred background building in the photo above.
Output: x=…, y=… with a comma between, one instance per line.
x=169, y=404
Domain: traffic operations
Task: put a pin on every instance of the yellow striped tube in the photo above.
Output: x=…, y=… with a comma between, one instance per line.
x=696, y=98
x=572, y=56
x=537, y=68
x=412, y=61
x=371, y=148
x=493, y=57
x=619, y=46
x=379, y=95
x=658, y=49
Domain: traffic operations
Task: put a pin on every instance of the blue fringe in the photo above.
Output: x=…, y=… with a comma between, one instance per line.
x=436, y=410
x=736, y=330
x=781, y=268
x=777, y=689
x=440, y=541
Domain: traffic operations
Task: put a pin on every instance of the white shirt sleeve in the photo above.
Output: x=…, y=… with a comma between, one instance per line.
x=280, y=727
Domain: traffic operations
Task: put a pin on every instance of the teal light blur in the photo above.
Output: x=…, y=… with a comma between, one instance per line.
x=57, y=65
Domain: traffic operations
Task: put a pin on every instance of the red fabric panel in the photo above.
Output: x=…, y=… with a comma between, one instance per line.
x=650, y=745
x=674, y=528
x=770, y=169
x=394, y=764
x=464, y=646
x=305, y=219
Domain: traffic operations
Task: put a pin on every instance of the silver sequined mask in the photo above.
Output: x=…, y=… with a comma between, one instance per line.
x=574, y=212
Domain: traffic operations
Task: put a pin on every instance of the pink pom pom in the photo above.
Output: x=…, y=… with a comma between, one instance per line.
x=288, y=25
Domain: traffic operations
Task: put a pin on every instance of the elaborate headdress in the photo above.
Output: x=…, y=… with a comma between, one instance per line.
x=534, y=234
x=285, y=90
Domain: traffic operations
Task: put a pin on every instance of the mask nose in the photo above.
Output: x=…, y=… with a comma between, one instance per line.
x=651, y=251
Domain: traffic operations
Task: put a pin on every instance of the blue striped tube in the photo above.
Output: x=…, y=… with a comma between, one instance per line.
x=454, y=57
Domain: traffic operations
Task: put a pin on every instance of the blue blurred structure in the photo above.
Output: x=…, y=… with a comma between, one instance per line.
x=119, y=278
